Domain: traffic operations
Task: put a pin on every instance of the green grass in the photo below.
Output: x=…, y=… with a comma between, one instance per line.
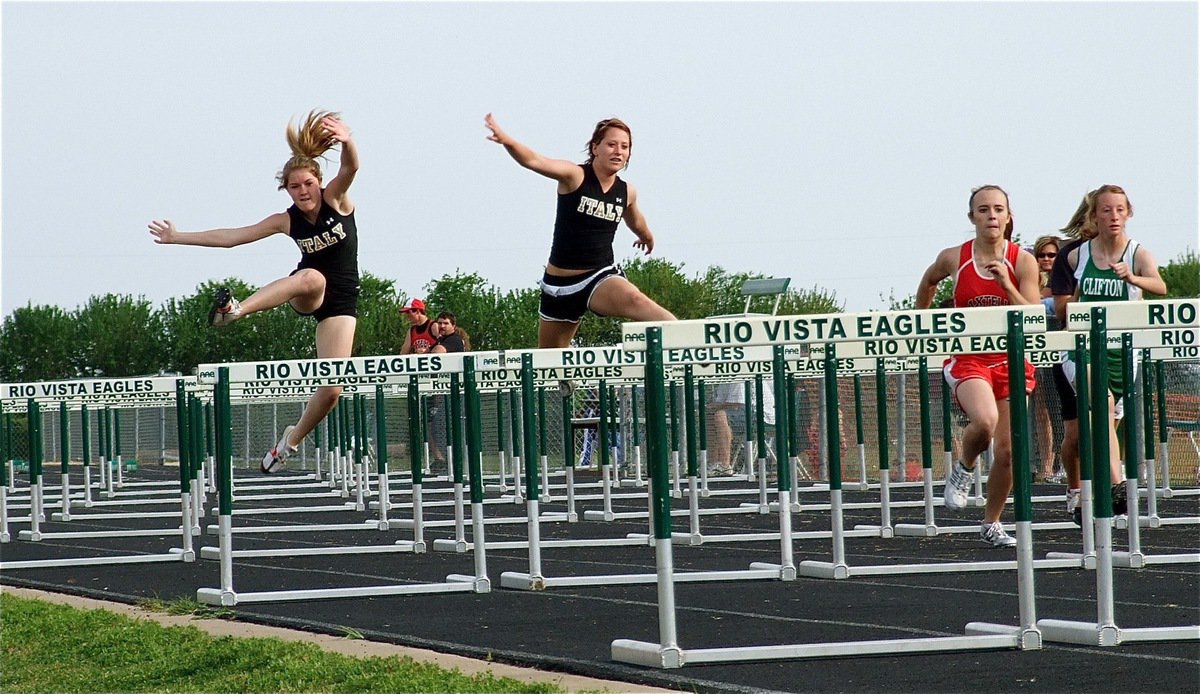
x=46, y=647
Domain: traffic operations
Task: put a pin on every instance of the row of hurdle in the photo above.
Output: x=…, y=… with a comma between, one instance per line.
x=663, y=370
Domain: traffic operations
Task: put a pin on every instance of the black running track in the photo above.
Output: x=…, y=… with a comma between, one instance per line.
x=571, y=629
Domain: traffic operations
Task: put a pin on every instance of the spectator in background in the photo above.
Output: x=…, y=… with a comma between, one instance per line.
x=730, y=398
x=420, y=338
x=1047, y=434
x=451, y=338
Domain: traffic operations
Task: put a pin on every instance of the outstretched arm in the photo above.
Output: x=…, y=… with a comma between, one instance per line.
x=164, y=231
x=941, y=268
x=637, y=224
x=335, y=191
x=568, y=174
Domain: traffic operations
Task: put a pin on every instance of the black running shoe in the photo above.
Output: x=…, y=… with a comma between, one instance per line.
x=1120, y=503
x=225, y=309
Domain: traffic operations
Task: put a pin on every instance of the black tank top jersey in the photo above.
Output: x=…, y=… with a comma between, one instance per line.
x=586, y=223
x=330, y=246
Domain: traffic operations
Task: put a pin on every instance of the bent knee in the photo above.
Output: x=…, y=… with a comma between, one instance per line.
x=312, y=281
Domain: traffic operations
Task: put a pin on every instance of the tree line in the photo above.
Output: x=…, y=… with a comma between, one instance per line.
x=120, y=335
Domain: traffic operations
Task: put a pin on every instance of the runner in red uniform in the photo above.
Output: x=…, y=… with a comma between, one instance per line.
x=989, y=270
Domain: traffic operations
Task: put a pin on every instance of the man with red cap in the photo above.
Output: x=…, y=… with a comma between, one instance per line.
x=421, y=337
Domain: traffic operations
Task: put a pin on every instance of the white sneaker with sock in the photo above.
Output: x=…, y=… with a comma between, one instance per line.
x=274, y=460
x=993, y=534
x=958, y=487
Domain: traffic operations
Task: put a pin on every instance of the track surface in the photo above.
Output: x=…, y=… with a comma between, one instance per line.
x=570, y=629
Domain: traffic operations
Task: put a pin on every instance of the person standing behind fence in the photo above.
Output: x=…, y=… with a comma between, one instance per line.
x=325, y=284
x=1045, y=432
x=451, y=338
x=581, y=274
x=420, y=337
x=988, y=270
x=1111, y=267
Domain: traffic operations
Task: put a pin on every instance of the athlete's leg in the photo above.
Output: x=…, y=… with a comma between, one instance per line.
x=1070, y=452
x=335, y=338
x=720, y=438
x=1001, y=475
x=304, y=290
x=979, y=403
x=555, y=333
x=617, y=297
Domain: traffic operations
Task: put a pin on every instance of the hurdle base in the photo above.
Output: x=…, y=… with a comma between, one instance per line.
x=1149, y=522
x=1129, y=560
x=646, y=654
x=522, y=581
x=885, y=531
x=5, y=537
x=482, y=584
x=1086, y=561
x=914, y=530
x=458, y=546
x=1079, y=633
x=599, y=515
x=786, y=573
x=763, y=509
x=676, y=538
x=29, y=535
x=184, y=555
x=822, y=569
x=659, y=656
x=1028, y=639
x=216, y=596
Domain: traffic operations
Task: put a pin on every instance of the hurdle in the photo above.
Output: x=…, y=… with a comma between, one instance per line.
x=667, y=652
x=92, y=391
x=1101, y=317
x=356, y=371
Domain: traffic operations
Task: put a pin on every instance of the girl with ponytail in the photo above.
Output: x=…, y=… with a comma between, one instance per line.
x=325, y=284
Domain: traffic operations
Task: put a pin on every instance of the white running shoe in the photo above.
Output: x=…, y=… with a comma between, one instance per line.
x=994, y=535
x=274, y=460
x=1072, y=500
x=225, y=309
x=1073, y=508
x=720, y=470
x=958, y=487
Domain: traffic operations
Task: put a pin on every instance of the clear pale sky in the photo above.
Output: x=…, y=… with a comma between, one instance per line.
x=832, y=142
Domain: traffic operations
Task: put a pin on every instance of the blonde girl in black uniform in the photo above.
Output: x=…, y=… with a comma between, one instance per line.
x=325, y=284
x=592, y=200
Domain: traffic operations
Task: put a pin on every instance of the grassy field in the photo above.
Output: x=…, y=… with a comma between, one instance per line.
x=56, y=648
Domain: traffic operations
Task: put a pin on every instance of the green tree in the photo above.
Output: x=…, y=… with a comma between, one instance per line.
x=118, y=336
x=38, y=343
x=1182, y=275
x=381, y=326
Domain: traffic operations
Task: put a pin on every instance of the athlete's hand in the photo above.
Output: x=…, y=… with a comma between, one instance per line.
x=163, y=231
x=336, y=129
x=498, y=136
x=1122, y=270
x=999, y=272
x=645, y=243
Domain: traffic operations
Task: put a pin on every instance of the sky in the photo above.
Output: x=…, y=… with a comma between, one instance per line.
x=835, y=143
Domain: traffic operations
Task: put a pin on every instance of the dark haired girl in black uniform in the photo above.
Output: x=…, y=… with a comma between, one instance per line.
x=592, y=201
x=325, y=284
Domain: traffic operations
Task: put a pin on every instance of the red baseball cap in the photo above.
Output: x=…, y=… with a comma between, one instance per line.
x=414, y=305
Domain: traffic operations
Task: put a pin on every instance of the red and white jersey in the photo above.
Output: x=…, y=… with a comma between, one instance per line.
x=974, y=286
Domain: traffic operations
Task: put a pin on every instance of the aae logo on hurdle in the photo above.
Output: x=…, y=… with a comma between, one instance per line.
x=1135, y=315
x=837, y=327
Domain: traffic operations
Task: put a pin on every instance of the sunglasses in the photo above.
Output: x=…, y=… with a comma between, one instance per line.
x=1047, y=255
